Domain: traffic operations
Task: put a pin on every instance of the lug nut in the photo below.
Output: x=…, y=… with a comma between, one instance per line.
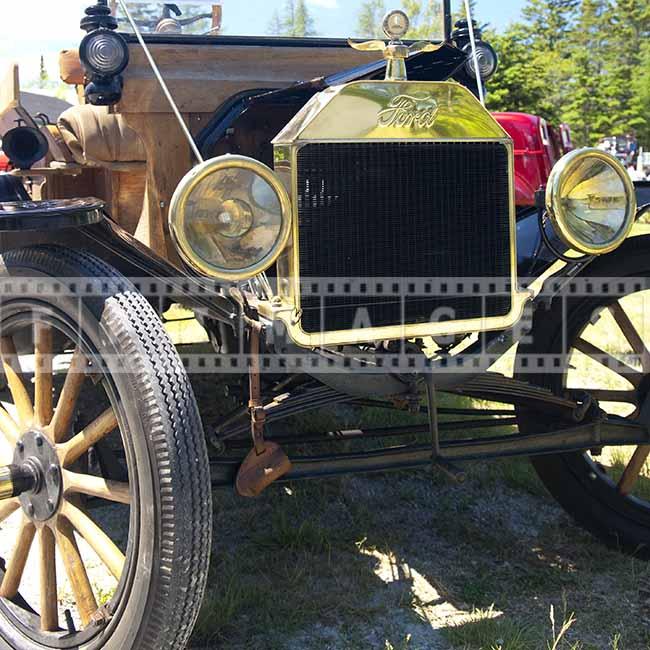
x=50, y=505
x=54, y=474
x=39, y=441
x=20, y=445
x=30, y=509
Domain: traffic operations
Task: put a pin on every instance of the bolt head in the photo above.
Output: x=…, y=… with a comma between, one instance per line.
x=20, y=445
x=30, y=509
x=50, y=505
x=39, y=441
x=55, y=475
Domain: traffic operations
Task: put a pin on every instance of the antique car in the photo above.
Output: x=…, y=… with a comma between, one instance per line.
x=5, y=166
x=364, y=249
x=538, y=146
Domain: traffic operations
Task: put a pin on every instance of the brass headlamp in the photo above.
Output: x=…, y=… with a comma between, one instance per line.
x=230, y=218
x=591, y=201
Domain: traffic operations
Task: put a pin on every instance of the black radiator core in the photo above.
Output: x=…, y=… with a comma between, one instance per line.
x=402, y=210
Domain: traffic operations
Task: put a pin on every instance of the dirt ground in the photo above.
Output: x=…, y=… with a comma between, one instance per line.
x=414, y=561
x=405, y=561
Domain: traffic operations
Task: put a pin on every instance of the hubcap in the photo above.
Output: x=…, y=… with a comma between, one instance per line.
x=37, y=453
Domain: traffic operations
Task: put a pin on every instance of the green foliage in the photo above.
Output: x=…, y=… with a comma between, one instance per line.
x=426, y=18
x=295, y=20
x=370, y=19
x=43, y=76
x=641, y=87
x=584, y=62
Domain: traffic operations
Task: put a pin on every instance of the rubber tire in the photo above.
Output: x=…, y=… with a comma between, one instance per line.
x=173, y=478
x=615, y=520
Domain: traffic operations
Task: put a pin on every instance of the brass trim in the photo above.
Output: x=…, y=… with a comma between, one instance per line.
x=286, y=307
x=460, y=115
x=6, y=482
x=553, y=200
x=177, y=216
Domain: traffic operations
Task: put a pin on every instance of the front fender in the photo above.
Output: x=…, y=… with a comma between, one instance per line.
x=93, y=231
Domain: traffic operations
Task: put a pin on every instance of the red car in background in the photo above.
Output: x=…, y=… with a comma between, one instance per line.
x=538, y=146
x=5, y=166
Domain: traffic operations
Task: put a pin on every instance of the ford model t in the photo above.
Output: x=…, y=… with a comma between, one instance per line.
x=350, y=239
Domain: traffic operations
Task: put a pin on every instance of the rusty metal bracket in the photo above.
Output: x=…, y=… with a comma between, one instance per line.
x=266, y=462
x=255, y=405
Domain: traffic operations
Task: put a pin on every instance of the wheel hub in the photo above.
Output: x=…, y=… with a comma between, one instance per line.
x=34, y=453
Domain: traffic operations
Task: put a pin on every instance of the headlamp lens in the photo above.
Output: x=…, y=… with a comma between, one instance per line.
x=230, y=217
x=487, y=60
x=591, y=201
x=104, y=53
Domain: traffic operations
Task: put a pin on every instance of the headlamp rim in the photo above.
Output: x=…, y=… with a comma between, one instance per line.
x=560, y=171
x=93, y=70
x=470, y=62
x=177, y=212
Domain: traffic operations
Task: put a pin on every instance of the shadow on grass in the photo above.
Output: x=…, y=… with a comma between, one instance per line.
x=409, y=560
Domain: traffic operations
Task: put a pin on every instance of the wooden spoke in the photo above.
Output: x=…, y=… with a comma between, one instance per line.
x=65, y=407
x=633, y=469
x=606, y=395
x=47, y=572
x=91, y=435
x=97, y=539
x=631, y=334
x=14, y=573
x=76, y=571
x=15, y=381
x=8, y=507
x=9, y=428
x=43, y=401
x=96, y=486
x=607, y=360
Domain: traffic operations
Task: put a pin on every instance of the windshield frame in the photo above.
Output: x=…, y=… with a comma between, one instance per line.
x=287, y=41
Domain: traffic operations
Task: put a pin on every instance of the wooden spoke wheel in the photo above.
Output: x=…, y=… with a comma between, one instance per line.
x=105, y=516
x=604, y=344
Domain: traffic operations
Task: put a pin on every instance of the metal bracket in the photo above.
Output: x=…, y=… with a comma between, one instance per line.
x=437, y=461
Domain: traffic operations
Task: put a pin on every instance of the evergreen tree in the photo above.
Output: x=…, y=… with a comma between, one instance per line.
x=295, y=21
x=586, y=107
x=550, y=21
x=304, y=23
x=641, y=87
x=628, y=28
x=370, y=18
x=519, y=83
x=426, y=18
x=586, y=63
x=43, y=77
x=459, y=12
x=275, y=25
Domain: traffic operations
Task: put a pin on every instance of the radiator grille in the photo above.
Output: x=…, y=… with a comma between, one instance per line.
x=402, y=210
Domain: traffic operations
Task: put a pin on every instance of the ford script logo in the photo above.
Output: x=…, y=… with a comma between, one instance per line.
x=419, y=111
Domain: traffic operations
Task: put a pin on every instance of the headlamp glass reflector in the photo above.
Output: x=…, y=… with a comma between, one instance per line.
x=591, y=201
x=104, y=53
x=230, y=217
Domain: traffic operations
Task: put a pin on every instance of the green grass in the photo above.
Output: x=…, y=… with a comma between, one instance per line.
x=367, y=563
x=489, y=630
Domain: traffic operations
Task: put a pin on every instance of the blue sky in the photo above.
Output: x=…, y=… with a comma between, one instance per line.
x=30, y=28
